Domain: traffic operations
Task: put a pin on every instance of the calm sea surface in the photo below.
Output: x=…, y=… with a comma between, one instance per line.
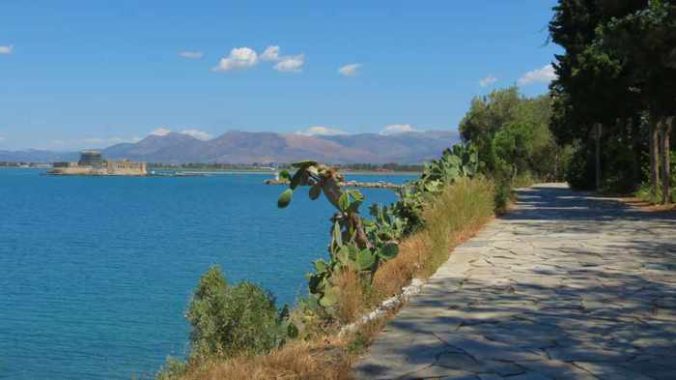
x=96, y=272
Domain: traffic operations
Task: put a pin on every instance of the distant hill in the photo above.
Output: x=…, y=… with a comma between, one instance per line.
x=237, y=147
x=33, y=155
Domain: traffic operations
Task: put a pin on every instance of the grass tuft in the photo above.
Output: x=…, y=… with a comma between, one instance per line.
x=296, y=360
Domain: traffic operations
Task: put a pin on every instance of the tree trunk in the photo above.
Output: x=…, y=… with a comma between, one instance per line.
x=666, y=131
x=635, y=151
x=654, y=156
x=598, y=128
x=557, y=161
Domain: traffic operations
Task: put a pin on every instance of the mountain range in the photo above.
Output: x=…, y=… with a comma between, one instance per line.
x=236, y=147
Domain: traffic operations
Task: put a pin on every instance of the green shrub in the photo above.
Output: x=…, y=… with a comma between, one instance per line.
x=173, y=369
x=524, y=179
x=503, y=191
x=230, y=320
x=645, y=191
x=580, y=174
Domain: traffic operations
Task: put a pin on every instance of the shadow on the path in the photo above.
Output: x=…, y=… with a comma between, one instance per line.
x=551, y=203
x=606, y=318
x=621, y=328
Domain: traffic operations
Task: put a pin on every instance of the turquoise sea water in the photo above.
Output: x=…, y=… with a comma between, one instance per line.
x=96, y=272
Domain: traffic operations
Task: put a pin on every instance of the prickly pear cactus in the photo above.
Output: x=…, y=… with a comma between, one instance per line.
x=357, y=244
x=362, y=244
x=459, y=161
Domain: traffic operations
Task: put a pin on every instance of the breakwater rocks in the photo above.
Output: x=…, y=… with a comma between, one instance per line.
x=365, y=185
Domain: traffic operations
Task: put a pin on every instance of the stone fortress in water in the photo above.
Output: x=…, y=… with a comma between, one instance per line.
x=92, y=163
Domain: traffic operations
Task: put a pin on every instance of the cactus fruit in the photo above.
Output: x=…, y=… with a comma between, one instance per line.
x=285, y=198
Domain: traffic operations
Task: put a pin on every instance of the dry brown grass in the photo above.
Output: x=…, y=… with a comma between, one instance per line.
x=327, y=358
x=396, y=273
x=351, y=298
x=296, y=360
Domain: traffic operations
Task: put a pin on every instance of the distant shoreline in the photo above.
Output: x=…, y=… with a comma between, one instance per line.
x=185, y=173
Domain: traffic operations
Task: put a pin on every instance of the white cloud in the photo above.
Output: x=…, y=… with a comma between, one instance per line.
x=349, y=70
x=160, y=132
x=291, y=64
x=487, y=81
x=196, y=133
x=239, y=58
x=544, y=74
x=271, y=53
x=2, y=138
x=6, y=49
x=188, y=54
x=395, y=129
x=244, y=58
x=319, y=130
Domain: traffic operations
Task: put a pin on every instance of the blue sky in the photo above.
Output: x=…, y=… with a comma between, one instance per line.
x=77, y=74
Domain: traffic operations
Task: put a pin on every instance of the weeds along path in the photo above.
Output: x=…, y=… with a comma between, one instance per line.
x=565, y=286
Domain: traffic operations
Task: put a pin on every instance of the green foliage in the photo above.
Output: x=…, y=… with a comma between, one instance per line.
x=362, y=245
x=645, y=191
x=485, y=117
x=460, y=161
x=511, y=134
x=358, y=344
x=172, y=369
x=231, y=320
x=580, y=174
x=357, y=244
x=618, y=66
x=503, y=192
x=385, y=224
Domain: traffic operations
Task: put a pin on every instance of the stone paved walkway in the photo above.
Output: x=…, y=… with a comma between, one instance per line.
x=566, y=286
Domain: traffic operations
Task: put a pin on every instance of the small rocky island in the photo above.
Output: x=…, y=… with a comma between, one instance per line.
x=92, y=163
